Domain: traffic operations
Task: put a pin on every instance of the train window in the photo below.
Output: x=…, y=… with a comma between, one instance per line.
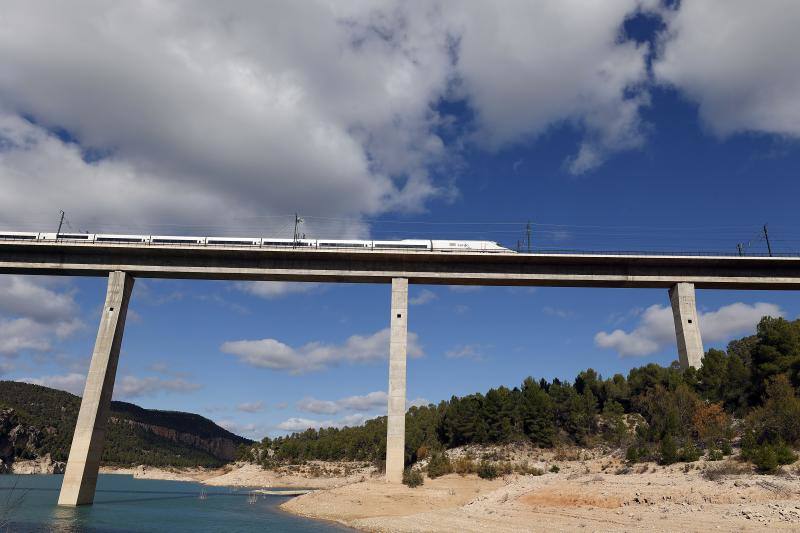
x=119, y=239
x=14, y=237
x=175, y=241
x=211, y=241
x=72, y=236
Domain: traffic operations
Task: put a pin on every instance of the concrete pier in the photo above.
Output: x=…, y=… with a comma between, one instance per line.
x=396, y=424
x=83, y=464
x=687, y=329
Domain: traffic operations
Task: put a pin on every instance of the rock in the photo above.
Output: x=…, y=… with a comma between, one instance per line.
x=42, y=465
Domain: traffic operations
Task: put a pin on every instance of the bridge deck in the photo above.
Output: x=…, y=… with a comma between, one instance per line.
x=379, y=266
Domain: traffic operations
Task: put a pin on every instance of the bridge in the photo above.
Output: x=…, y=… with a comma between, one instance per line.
x=122, y=263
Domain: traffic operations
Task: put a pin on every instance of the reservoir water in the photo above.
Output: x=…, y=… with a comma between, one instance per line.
x=125, y=504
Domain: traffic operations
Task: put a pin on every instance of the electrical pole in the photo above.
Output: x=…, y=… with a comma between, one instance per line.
x=766, y=236
x=60, y=223
x=528, y=232
x=297, y=222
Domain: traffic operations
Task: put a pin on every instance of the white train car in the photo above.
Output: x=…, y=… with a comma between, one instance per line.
x=266, y=242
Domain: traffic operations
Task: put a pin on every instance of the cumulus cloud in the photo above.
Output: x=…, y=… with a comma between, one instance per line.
x=183, y=112
x=423, y=297
x=240, y=428
x=656, y=327
x=466, y=351
x=738, y=60
x=302, y=424
x=35, y=313
x=372, y=401
x=72, y=382
x=525, y=66
x=366, y=402
x=250, y=407
x=275, y=289
x=133, y=387
x=315, y=356
x=132, y=111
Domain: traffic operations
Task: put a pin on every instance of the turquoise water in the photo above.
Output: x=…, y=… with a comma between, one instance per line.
x=124, y=504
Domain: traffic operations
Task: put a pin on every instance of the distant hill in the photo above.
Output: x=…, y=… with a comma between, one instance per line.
x=36, y=420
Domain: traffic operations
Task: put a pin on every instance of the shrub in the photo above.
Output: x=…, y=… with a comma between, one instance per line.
x=555, y=469
x=689, y=453
x=765, y=459
x=669, y=452
x=715, y=454
x=632, y=455
x=725, y=447
x=412, y=478
x=784, y=454
x=487, y=470
x=439, y=465
x=728, y=468
x=464, y=465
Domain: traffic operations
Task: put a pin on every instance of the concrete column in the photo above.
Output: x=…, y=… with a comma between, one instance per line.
x=396, y=424
x=687, y=329
x=83, y=464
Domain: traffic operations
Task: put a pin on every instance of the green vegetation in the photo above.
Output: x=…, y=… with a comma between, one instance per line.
x=658, y=414
x=46, y=418
x=412, y=478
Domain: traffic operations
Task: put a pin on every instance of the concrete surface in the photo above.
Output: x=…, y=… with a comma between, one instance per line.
x=444, y=268
x=687, y=328
x=396, y=422
x=83, y=464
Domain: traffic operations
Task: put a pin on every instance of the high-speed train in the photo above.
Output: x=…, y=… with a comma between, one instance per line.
x=263, y=242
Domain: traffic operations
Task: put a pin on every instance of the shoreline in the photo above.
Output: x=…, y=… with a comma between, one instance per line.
x=591, y=490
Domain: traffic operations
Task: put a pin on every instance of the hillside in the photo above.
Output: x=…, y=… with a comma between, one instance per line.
x=36, y=420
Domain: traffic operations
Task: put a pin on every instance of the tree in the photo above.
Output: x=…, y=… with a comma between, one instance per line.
x=777, y=351
x=537, y=414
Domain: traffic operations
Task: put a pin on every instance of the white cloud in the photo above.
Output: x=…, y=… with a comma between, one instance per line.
x=656, y=327
x=238, y=428
x=275, y=289
x=132, y=386
x=738, y=60
x=239, y=108
x=423, y=297
x=525, y=66
x=302, y=424
x=314, y=356
x=417, y=402
x=251, y=407
x=466, y=351
x=176, y=114
x=72, y=382
x=367, y=402
x=34, y=314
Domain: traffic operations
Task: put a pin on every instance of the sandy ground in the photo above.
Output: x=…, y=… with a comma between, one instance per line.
x=313, y=475
x=588, y=494
x=592, y=491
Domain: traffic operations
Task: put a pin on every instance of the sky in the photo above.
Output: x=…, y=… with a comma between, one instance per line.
x=621, y=125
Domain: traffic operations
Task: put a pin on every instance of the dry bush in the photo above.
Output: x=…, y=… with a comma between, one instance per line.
x=464, y=465
x=724, y=469
x=567, y=454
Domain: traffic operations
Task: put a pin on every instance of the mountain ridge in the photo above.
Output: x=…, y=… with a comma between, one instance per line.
x=36, y=421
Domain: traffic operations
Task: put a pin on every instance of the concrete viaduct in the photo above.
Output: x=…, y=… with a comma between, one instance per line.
x=122, y=263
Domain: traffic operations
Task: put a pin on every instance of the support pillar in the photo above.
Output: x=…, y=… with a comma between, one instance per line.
x=396, y=422
x=687, y=329
x=83, y=463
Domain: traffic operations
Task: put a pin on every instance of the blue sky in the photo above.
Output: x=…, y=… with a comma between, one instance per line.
x=635, y=127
